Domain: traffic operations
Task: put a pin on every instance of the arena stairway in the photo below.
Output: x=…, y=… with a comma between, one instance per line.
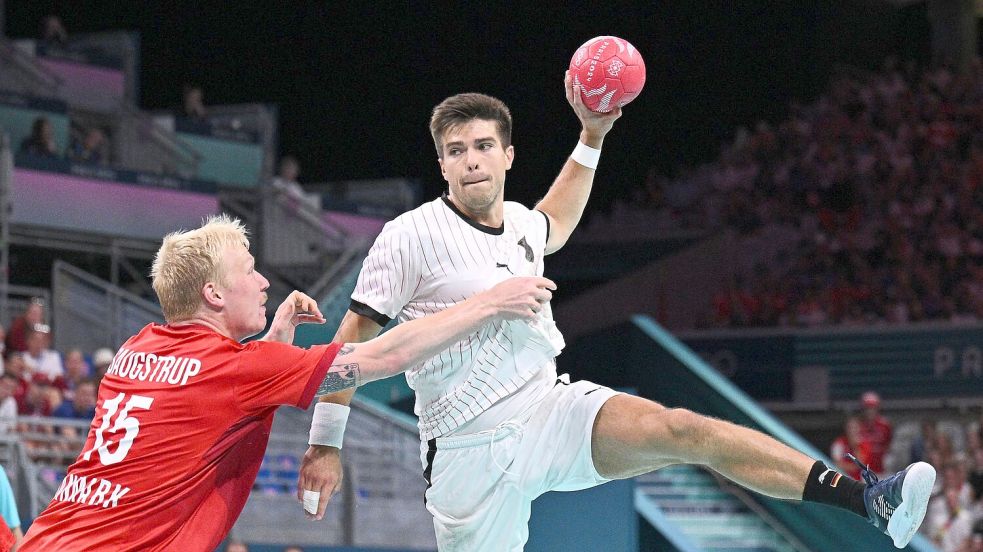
x=709, y=515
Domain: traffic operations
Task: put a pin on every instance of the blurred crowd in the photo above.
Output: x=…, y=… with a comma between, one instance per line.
x=36, y=380
x=954, y=521
x=879, y=180
x=86, y=145
x=39, y=382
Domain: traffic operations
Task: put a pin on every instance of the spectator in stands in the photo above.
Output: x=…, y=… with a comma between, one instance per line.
x=41, y=142
x=16, y=339
x=42, y=397
x=975, y=541
x=236, y=546
x=942, y=452
x=102, y=359
x=8, y=404
x=954, y=476
x=90, y=149
x=875, y=430
x=194, y=102
x=975, y=477
x=82, y=406
x=286, y=182
x=17, y=369
x=8, y=508
x=924, y=441
x=76, y=370
x=53, y=32
x=850, y=442
x=951, y=524
x=903, y=150
x=39, y=357
x=293, y=549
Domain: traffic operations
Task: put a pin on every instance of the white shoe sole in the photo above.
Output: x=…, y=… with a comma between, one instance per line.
x=915, y=492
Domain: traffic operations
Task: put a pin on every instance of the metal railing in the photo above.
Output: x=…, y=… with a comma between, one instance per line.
x=20, y=72
x=141, y=144
x=745, y=498
x=381, y=500
x=17, y=299
x=89, y=311
x=380, y=504
x=13, y=298
x=35, y=454
x=294, y=244
x=260, y=119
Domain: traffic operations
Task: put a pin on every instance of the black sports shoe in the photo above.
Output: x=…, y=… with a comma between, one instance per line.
x=897, y=505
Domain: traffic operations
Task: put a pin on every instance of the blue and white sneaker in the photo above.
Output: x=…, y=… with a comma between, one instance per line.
x=897, y=505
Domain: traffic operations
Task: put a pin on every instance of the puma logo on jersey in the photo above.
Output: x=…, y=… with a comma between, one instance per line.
x=522, y=243
x=505, y=266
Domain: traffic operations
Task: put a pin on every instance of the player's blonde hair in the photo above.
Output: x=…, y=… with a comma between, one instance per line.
x=463, y=108
x=188, y=260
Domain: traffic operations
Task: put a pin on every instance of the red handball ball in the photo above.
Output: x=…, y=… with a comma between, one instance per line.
x=609, y=71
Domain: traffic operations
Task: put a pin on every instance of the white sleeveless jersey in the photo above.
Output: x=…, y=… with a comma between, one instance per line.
x=433, y=257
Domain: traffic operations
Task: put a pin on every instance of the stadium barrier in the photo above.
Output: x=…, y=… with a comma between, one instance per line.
x=89, y=312
x=825, y=366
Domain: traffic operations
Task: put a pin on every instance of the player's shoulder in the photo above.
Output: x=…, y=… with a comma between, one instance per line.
x=516, y=208
x=410, y=220
x=521, y=214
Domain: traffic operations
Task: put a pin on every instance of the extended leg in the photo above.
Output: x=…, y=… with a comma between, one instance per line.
x=634, y=436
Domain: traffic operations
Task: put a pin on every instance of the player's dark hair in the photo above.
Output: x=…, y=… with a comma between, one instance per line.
x=463, y=108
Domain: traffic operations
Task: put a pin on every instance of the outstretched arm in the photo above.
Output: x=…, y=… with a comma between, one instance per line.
x=320, y=470
x=413, y=342
x=402, y=347
x=565, y=201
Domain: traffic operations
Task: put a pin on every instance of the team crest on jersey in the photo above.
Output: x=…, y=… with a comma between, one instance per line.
x=522, y=243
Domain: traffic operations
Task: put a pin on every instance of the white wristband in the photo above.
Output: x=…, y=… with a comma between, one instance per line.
x=328, y=425
x=586, y=155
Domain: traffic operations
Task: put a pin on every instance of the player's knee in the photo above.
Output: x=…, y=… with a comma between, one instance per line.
x=689, y=433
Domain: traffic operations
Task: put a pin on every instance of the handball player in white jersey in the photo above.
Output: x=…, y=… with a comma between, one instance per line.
x=498, y=426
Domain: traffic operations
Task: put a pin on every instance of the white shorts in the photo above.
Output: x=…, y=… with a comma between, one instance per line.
x=481, y=485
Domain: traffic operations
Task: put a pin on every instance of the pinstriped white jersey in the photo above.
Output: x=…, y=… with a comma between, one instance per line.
x=433, y=257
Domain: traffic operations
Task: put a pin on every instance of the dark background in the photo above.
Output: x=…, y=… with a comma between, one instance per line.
x=355, y=83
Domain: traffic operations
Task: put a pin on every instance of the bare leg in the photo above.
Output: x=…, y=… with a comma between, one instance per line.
x=633, y=436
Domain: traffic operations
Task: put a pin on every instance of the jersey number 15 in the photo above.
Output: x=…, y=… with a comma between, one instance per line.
x=123, y=422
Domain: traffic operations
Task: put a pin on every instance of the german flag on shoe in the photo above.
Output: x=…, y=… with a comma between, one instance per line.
x=897, y=504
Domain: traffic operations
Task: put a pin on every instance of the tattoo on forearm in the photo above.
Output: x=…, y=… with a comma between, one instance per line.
x=338, y=378
x=345, y=349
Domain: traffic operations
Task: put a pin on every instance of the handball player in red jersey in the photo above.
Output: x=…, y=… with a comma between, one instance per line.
x=184, y=411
